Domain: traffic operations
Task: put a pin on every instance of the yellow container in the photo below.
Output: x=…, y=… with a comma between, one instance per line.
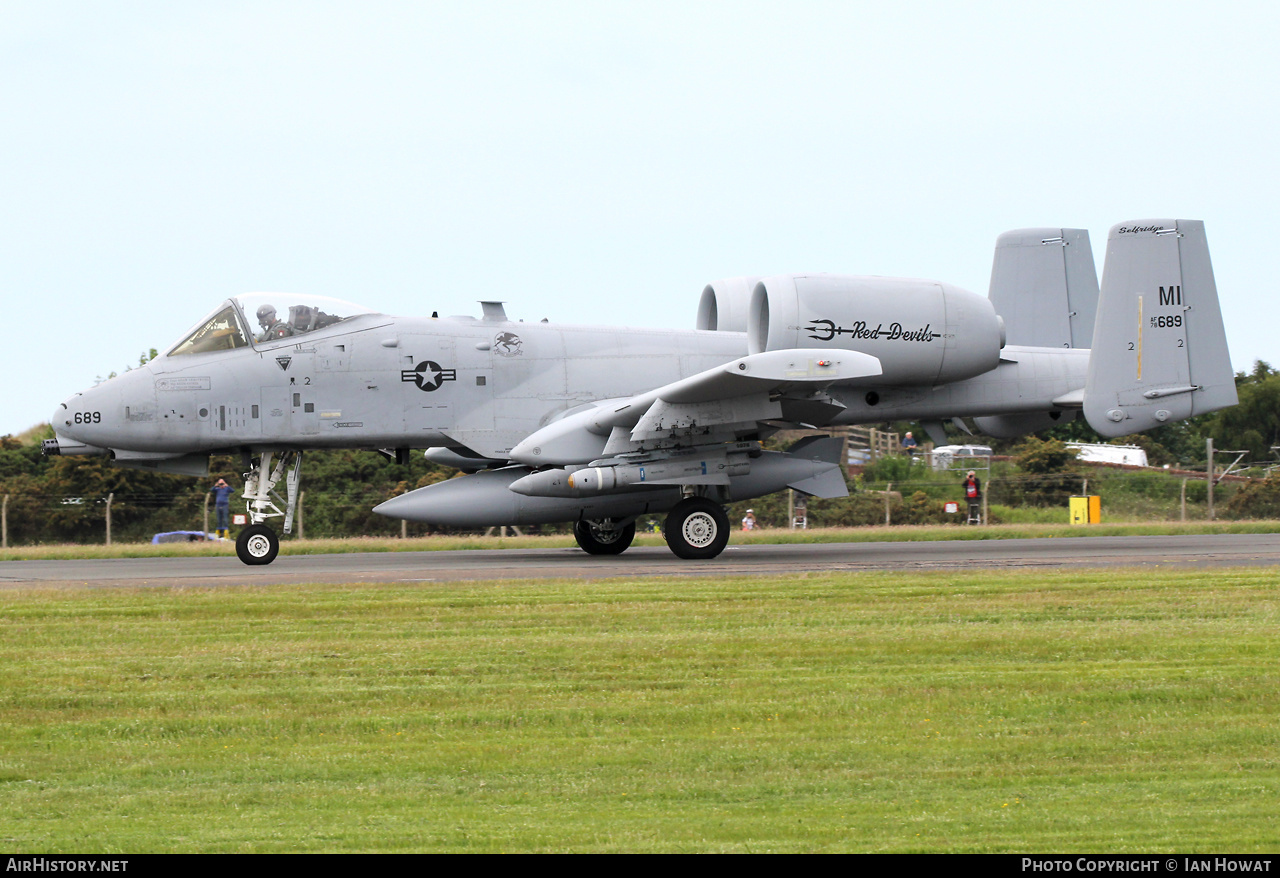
x=1079, y=507
x=1086, y=510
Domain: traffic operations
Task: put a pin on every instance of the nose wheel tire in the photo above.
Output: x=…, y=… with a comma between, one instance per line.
x=596, y=540
x=697, y=528
x=257, y=544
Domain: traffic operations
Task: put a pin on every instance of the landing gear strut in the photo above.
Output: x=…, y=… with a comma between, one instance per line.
x=258, y=543
x=697, y=529
x=604, y=537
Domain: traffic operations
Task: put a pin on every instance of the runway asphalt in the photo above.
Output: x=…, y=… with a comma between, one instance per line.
x=1207, y=550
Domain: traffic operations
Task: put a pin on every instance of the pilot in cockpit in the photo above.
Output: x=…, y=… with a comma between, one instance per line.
x=272, y=327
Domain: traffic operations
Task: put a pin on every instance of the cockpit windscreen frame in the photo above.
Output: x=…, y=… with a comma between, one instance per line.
x=277, y=316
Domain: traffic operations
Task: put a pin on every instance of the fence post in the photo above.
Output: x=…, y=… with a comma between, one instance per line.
x=888, y=491
x=1208, y=447
x=301, y=496
x=1182, y=501
x=4, y=523
x=110, y=497
x=204, y=521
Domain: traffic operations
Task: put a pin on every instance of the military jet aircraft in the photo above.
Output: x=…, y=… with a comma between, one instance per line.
x=600, y=425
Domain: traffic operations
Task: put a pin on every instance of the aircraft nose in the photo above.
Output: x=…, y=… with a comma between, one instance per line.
x=74, y=416
x=74, y=429
x=96, y=416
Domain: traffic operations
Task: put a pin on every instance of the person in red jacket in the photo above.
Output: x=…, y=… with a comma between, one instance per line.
x=973, y=496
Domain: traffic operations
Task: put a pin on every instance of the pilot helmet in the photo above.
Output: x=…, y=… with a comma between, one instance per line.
x=266, y=315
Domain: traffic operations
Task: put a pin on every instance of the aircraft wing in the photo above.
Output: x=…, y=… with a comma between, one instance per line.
x=713, y=406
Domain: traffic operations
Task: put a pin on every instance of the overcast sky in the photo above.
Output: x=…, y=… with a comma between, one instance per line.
x=594, y=162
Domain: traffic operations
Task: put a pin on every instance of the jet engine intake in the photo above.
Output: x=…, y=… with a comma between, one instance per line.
x=923, y=332
x=723, y=306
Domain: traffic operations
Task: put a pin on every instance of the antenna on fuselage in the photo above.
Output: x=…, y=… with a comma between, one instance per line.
x=494, y=312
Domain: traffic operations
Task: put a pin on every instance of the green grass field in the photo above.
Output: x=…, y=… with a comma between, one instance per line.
x=1101, y=711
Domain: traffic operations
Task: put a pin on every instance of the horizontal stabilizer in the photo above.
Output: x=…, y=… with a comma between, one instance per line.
x=1159, y=348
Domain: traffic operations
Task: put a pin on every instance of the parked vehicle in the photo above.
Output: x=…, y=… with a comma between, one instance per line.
x=185, y=536
x=944, y=456
x=1130, y=455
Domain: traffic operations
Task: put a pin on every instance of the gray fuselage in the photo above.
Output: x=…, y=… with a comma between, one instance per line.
x=375, y=381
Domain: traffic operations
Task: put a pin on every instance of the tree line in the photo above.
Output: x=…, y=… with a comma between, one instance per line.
x=62, y=499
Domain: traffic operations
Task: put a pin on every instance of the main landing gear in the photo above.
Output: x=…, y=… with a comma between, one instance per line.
x=696, y=529
x=258, y=543
x=605, y=537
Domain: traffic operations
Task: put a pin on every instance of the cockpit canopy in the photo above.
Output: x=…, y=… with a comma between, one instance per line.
x=260, y=318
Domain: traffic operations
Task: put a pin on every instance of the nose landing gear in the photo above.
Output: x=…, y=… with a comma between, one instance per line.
x=258, y=543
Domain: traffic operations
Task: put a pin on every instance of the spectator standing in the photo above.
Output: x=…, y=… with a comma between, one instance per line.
x=222, y=492
x=973, y=496
x=909, y=445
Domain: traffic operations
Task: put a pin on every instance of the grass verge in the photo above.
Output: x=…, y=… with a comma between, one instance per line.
x=1084, y=710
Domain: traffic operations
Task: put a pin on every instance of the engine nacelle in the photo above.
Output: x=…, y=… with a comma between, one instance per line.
x=921, y=331
x=723, y=306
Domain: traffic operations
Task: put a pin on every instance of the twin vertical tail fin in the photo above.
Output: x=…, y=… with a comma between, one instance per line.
x=1159, y=349
x=1045, y=287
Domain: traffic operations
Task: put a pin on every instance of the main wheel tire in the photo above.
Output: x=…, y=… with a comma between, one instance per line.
x=697, y=528
x=257, y=544
x=596, y=540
